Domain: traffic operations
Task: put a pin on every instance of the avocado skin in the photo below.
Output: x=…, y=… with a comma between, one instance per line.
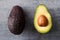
x=16, y=20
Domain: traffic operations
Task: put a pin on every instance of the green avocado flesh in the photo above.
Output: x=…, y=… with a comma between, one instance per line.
x=42, y=10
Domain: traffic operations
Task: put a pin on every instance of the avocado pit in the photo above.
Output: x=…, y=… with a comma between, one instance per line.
x=42, y=21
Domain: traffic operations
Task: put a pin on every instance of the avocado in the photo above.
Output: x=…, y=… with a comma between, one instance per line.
x=16, y=20
x=42, y=19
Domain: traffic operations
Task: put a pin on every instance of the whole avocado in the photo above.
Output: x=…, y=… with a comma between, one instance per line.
x=16, y=20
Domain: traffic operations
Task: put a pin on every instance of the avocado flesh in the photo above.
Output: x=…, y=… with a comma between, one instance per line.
x=42, y=10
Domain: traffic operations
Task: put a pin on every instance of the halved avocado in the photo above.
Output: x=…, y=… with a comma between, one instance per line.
x=43, y=16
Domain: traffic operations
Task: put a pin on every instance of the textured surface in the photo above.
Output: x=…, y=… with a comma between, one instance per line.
x=29, y=7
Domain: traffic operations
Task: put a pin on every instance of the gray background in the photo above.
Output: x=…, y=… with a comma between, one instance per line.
x=29, y=7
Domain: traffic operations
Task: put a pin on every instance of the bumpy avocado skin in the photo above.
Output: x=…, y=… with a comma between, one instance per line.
x=16, y=20
x=42, y=32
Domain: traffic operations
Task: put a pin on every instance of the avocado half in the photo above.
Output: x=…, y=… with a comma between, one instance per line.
x=42, y=10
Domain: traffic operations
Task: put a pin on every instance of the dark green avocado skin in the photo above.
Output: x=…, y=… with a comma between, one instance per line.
x=16, y=20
